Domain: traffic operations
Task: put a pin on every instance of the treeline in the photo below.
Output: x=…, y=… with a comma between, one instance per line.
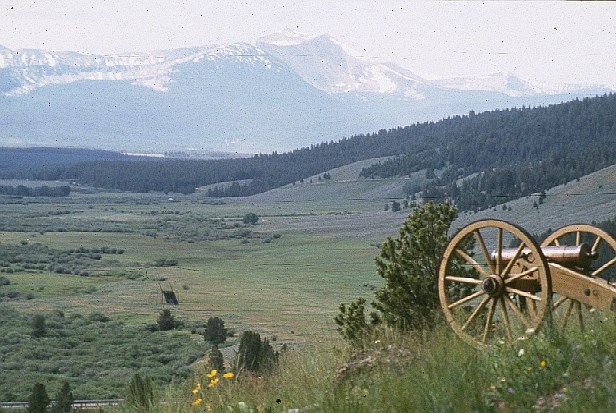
x=261, y=172
x=512, y=153
x=506, y=153
x=21, y=190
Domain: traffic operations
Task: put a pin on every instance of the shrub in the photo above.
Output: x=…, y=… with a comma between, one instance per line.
x=250, y=218
x=39, y=327
x=140, y=393
x=351, y=321
x=4, y=281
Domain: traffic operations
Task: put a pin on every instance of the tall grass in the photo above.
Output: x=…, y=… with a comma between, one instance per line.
x=430, y=371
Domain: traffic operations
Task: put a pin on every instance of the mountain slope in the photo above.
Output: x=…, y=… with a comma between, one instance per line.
x=282, y=93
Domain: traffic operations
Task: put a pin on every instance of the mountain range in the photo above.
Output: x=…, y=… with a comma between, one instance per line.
x=283, y=92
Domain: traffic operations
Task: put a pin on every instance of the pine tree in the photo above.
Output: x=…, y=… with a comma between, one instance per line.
x=215, y=331
x=409, y=265
x=255, y=354
x=64, y=399
x=166, y=321
x=216, y=360
x=39, y=399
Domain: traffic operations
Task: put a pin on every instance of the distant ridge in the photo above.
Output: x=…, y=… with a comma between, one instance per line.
x=25, y=158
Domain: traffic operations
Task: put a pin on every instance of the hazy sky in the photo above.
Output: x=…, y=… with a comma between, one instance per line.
x=555, y=41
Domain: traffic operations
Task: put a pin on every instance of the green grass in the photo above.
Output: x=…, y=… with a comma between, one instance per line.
x=437, y=372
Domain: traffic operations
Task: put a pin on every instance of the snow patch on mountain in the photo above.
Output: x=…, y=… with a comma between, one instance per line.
x=321, y=61
x=33, y=69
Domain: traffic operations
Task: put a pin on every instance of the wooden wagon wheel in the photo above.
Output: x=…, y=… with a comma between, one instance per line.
x=489, y=299
x=602, y=244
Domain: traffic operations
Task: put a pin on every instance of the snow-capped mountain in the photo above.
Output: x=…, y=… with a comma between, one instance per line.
x=285, y=91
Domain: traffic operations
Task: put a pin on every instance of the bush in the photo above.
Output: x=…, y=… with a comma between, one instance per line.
x=4, y=281
x=250, y=218
x=351, y=321
x=39, y=327
x=140, y=393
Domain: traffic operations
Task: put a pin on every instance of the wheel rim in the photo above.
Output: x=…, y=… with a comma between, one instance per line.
x=488, y=297
x=570, y=313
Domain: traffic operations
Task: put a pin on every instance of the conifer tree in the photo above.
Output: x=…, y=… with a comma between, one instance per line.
x=39, y=399
x=64, y=399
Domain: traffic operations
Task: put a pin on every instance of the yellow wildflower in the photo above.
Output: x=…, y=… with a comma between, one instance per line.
x=197, y=388
x=213, y=382
x=565, y=390
x=492, y=387
x=530, y=368
x=228, y=375
x=213, y=373
x=208, y=407
x=197, y=402
x=543, y=363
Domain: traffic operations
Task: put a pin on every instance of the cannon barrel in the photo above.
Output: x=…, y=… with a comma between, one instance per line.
x=566, y=255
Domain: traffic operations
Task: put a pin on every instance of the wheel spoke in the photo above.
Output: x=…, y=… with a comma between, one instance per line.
x=472, y=262
x=595, y=246
x=499, y=249
x=521, y=274
x=604, y=267
x=558, y=302
x=488, y=321
x=486, y=254
x=513, y=260
x=517, y=311
x=556, y=242
x=523, y=293
x=506, y=319
x=466, y=299
x=475, y=313
x=578, y=306
x=532, y=309
x=463, y=280
x=568, y=314
x=578, y=238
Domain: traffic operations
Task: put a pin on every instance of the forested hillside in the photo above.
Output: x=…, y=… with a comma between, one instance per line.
x=511, y=153
x=502, y=155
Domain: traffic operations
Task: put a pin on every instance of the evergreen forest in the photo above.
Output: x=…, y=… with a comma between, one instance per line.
x=477, y=160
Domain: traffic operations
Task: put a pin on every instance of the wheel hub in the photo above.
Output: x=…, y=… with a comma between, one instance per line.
x=493, y=285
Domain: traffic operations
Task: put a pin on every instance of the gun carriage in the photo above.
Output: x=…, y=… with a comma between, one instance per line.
x=497, y=285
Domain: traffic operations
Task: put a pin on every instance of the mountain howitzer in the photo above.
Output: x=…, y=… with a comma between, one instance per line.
x=492, y=294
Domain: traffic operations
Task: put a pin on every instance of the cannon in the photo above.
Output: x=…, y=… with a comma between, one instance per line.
x=496, y=284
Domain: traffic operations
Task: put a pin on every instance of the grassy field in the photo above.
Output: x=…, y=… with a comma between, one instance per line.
x=313, y=248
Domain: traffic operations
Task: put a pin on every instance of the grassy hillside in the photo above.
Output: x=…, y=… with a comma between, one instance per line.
x=591, y=198
x=313, y=248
